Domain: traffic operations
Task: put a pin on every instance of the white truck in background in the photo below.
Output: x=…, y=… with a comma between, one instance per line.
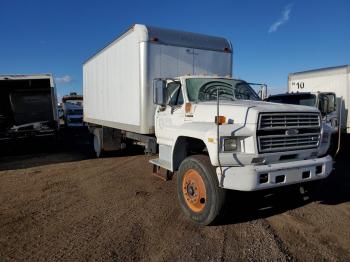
x=72, y=106
x=325, y=102
x=331, y=88
x=211, y=129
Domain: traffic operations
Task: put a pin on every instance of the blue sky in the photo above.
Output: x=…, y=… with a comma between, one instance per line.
x=270, y=38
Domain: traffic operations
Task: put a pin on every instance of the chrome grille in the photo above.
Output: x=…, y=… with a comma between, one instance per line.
x=289, y=120
x=275, y=143
x=279, y=132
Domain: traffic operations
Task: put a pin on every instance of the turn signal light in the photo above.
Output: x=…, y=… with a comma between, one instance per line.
x=219, y=120
x=188, y=107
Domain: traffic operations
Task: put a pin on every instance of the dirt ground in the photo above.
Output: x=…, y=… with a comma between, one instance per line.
x=62, y=204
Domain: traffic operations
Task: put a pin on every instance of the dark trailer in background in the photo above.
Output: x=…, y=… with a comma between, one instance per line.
x=28, y=106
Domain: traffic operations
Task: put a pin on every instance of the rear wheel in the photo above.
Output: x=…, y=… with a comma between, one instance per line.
x=200, y=196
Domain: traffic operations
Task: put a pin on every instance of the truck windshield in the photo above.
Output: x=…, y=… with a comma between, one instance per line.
x=205, y=89
x=294, y=99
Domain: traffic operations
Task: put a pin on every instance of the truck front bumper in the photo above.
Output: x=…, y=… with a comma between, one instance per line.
x=251, y=178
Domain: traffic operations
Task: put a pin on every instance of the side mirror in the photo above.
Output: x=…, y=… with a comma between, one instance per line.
x=159, y=92
x=332, y=103
x=263, y=92
x=321, y=105
x=326, y=104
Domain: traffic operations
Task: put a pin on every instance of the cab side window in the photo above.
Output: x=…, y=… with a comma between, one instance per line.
x=176, y=97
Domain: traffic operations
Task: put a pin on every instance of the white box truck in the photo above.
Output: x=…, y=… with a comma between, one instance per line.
x=28, y=106
x=174, y=90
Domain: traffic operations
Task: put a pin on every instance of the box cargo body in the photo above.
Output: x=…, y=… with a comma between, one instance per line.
x=333, y=79
x=118, y=79
x=28, y=106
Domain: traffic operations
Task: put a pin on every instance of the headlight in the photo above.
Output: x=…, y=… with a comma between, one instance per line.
x=229, y=144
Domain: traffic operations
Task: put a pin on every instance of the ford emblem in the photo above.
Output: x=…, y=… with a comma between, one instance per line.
x=292, y=132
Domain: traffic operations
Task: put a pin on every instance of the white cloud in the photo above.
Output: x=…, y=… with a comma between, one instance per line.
x=64, y=79
x=282, y=20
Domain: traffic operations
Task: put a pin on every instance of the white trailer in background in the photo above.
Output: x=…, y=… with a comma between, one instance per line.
x=174, y=89
x=326, y=81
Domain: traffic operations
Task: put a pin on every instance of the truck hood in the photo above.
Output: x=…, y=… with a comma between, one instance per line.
x=243, y=111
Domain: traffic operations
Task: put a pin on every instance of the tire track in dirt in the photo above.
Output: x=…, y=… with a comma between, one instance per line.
x=223, y=248
x=252, y=241
x=279, y=242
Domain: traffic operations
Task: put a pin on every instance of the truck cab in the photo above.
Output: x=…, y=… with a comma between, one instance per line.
x=217, y=130
x=324, y=101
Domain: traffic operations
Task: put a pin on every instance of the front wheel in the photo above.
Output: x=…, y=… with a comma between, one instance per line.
x=200, y=196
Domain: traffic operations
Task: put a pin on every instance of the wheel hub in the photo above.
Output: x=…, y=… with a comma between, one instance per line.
x=190, y=190
x=194, y=191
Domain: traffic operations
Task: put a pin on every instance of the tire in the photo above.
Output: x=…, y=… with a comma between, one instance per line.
x=97, y=143
x=200, y=197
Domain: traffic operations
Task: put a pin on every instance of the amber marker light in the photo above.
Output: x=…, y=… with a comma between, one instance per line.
x=219, y=120
x=210, y=140
x=188, y=107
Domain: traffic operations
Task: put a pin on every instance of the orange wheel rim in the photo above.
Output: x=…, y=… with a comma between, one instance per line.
x=193, y=190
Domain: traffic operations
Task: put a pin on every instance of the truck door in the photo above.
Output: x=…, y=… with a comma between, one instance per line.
x=172, y=116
